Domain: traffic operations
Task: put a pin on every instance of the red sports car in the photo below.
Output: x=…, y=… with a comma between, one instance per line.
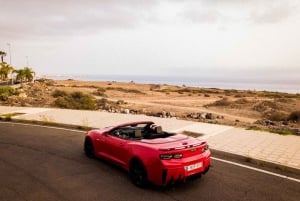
x=148, y=153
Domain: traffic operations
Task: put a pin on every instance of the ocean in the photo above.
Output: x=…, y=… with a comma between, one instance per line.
x=291, y=86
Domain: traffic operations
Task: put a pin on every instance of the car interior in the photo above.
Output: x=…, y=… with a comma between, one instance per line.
x=137, y=132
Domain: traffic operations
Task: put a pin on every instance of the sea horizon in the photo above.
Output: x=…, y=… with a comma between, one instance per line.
x=253, y=84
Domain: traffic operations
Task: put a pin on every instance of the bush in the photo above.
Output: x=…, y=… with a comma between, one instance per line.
x=154, y=87
x=294, y=116
x=100, y=92
x=277, y=116
x=265, y=105
x=135, y=91
x=59, y=93
x=6, y=91
x=222, y=102
x=76, y=100
x=242, y=101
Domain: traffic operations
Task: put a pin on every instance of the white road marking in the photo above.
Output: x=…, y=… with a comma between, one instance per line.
x=257, y=169
x=58, y=128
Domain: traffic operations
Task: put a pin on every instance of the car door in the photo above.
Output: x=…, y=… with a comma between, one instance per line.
x=118, y=148
x=114, y=148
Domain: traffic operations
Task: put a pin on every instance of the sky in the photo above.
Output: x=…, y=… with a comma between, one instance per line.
x=213, y=38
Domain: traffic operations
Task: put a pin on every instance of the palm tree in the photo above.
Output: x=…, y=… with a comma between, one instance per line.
x=2, y=55
x=25, y=74
x=5, y=69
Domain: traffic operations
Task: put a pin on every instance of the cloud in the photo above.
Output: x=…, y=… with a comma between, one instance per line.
x=273, y=13
x=44, y=18
x=236, y=11
x=202, y=15
x=36, y=18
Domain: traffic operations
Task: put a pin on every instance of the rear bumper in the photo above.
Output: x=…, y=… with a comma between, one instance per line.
x=172, y=171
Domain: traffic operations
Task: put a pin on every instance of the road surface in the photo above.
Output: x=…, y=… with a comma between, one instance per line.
x=39, y=163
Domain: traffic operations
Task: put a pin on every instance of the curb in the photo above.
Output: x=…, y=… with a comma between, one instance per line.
x=278, y=168
x=52, y=124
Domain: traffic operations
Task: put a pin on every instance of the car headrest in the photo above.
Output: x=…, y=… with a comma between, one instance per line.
x=138, y=134
x=158, y=130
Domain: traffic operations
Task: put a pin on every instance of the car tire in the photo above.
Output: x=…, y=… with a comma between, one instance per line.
x=89, y=148
x=138, y=174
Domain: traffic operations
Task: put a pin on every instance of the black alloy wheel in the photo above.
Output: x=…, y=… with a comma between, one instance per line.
x=89, y=148
x=138, y=174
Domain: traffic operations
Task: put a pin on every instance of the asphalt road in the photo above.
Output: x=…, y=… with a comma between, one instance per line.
x=38, y=163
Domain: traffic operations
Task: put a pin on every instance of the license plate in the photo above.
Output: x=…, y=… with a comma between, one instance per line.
x=193, y=166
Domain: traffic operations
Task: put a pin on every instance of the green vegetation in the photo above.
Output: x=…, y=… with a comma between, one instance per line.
x=22, y=75
x=5, y=70
x=255, y=128
x=282, y=132
x=25, y=75
x=8, y=116
x=6, y=91
x=74, y=100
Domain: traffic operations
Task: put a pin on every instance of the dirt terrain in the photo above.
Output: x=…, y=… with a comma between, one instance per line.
x=251, y=109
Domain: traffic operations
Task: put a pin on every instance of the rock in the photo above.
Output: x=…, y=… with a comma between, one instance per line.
x=209, y=116
x=193, y=115
x=23, y=95
x=164, y=114
x=285, y=123
x=202, y=116
x=172, y=114
x=296, y=131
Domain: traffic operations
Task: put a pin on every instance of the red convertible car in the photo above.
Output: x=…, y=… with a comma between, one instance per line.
x=148, y=153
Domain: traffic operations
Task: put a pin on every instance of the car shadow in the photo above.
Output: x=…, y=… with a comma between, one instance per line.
x=111, y=168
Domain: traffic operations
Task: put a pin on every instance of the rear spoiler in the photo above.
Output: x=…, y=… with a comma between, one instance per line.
x=184, y=146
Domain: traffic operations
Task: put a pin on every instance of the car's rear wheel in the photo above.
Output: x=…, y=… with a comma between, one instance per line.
x=89, y=148
x=138, y=174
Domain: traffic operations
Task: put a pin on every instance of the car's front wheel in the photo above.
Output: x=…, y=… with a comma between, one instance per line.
x=89, y=148
x=138, y=174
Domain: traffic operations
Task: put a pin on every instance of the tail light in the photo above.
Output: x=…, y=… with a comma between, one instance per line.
x=205, y=148
x=170, y=156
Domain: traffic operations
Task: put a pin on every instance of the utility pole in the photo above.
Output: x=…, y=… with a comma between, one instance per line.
x=9, y=49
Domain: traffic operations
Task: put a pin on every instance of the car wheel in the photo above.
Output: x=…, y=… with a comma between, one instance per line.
x=89, y=148
x=138, y=174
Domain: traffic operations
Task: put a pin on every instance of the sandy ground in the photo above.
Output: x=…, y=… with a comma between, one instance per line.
x=230, y=107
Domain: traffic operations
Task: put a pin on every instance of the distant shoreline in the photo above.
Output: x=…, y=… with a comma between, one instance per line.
x=256, y=85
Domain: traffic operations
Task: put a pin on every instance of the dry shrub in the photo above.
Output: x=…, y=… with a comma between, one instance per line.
x=277, y=116
x=100, y=92
x=219, y=103
x=265, y=105
x=242, y=101
x=294, y=116
x=135, y=91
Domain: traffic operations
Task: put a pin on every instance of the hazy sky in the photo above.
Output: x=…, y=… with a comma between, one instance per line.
x=165, y=37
